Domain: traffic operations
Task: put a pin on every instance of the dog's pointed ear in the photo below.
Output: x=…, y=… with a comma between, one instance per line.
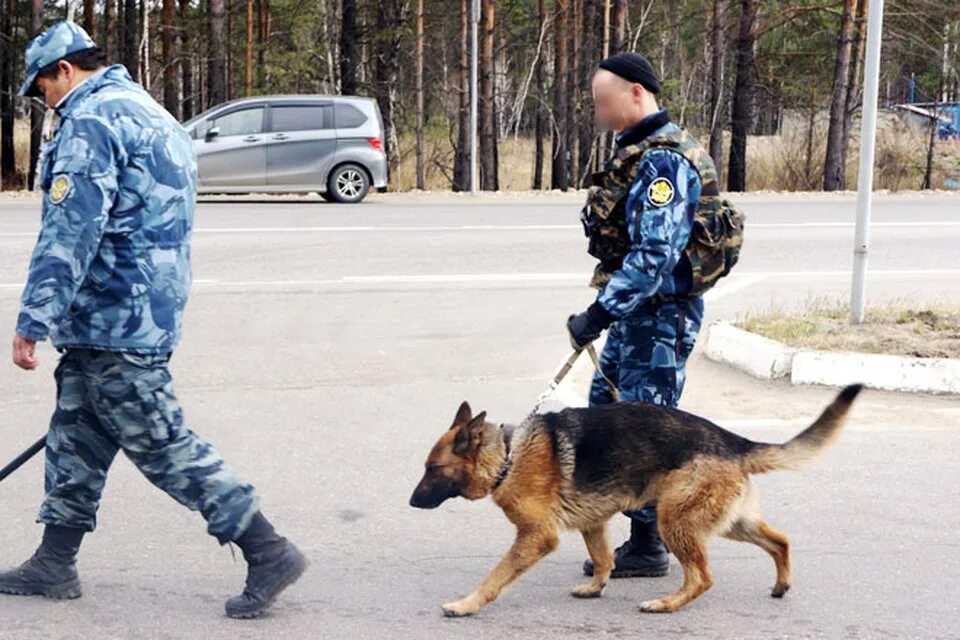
x=464, y=415
x=470, y=436
x=476, y=423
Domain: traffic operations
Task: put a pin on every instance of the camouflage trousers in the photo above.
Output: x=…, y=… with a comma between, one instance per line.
x=109, y=402
x=646, y=357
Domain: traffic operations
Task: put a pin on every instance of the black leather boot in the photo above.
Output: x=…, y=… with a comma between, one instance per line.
x=642, y=556
x=52, y=570
x=273, y=564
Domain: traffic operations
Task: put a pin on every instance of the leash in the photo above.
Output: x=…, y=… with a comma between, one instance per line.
x=565, y=369
x=507, y=432
x=614, y=392
x=21, y=459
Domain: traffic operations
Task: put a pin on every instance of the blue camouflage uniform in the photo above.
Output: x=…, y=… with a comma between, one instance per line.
x=649, y=341
x=108, y=283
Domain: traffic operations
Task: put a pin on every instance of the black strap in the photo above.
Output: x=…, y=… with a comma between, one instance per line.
x=507, y=433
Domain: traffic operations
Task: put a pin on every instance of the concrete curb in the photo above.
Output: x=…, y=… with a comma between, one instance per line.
x=891, y=373
x=758, y=356
x=769, y=359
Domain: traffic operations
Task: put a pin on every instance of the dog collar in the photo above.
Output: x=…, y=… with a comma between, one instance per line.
x=507, y=432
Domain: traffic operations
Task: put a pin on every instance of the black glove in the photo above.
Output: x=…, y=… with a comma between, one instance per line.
x=586, y=327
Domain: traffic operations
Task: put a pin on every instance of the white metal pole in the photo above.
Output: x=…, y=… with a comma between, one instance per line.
x=474, y=173
x=868, y=134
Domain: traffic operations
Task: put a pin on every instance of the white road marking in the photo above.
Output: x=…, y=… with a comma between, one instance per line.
x=406, y=279
x=508, y=227
x=471, y=277
x=735, y=284
x=802, y=225
x=847, y=273
x=388, y=229
x=353, y=229
x=268, y=283
x=948, y=412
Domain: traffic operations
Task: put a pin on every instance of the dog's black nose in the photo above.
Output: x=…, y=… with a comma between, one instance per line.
x=422, y=502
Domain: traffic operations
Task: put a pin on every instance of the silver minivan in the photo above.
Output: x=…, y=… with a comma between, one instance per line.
x=329, y=144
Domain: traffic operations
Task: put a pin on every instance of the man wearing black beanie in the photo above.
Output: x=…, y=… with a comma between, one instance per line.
x=639, y=219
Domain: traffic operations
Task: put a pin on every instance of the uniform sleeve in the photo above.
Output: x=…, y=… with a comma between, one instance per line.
x=77, y=203
x=660, y=220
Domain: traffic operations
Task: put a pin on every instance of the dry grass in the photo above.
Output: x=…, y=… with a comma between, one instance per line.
x=21, y=150
x=791, y=161
x=787, y=162
x=894, y=328
x=516, y=157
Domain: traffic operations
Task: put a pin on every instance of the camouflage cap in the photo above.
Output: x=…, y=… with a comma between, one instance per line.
x=58, y=41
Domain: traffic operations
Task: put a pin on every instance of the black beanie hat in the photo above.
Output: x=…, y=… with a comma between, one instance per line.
x=633, y=67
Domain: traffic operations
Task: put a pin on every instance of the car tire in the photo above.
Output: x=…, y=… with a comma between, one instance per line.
x=348, y=184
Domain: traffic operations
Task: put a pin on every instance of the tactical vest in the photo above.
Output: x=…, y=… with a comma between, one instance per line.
x=717, y=234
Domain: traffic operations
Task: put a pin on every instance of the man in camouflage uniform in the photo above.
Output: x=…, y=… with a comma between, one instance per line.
x=107, y=284
x=645, y=288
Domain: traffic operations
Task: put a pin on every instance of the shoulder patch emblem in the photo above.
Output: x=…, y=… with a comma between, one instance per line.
x=60, y=188
x=660, y=192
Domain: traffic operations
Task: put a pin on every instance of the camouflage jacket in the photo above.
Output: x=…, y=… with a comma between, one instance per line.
x=658, y=213
x=111, y=268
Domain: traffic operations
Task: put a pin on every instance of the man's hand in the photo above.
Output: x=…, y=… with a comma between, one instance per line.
x=586, y=327
x=24, y=352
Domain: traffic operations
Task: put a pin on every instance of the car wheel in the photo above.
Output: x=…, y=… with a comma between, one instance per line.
x=348, y=183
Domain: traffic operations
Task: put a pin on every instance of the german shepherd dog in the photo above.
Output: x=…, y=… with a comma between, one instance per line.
x=579, y=467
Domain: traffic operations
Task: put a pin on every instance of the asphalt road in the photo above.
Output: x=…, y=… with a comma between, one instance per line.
x=327, y=347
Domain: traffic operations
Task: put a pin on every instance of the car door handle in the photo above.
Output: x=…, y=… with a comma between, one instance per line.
x=252, y=139
x=281, y=136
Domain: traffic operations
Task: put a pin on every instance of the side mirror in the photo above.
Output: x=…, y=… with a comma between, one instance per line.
x=212, y=133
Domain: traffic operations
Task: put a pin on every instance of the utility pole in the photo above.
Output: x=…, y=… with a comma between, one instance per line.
x=868, y=134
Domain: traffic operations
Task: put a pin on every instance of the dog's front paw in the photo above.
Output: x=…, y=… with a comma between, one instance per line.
x=460, y=608
x=588, y=590
x=655, y=606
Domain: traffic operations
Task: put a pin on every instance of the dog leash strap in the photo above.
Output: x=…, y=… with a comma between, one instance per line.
x=614, y=392
x=565, y=369
x=557, y=379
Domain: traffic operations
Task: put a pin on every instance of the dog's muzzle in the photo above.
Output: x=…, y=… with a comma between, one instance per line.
x=430, y=495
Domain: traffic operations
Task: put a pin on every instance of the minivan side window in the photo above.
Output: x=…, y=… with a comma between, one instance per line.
x=301, y=117
x=236, y=123
x=348, y=116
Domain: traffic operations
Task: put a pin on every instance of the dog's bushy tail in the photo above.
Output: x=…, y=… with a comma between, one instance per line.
x=809, y=444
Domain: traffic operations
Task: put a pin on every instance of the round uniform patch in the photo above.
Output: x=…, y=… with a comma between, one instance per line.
x=660, y=192
x=60, y=188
